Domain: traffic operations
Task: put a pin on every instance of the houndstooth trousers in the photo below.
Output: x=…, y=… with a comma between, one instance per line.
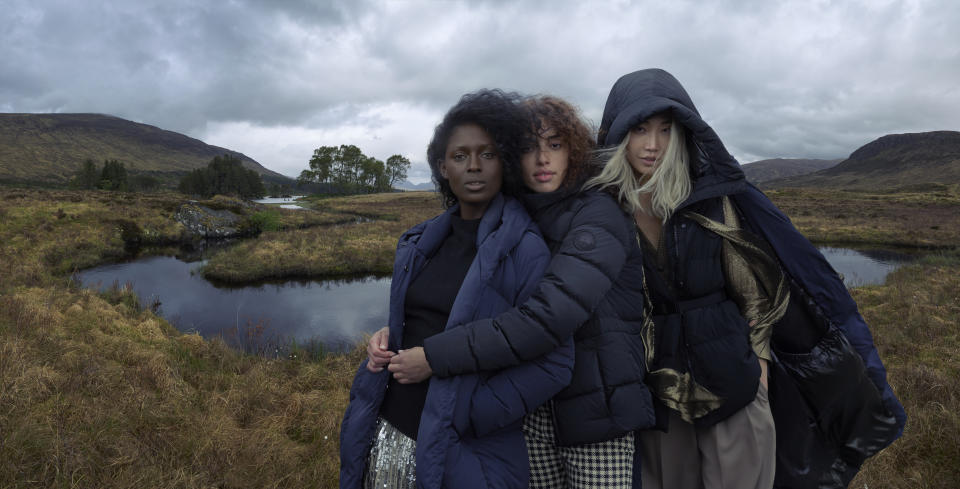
x=606, y=465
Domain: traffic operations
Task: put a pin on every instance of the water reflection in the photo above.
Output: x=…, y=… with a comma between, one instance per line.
x=335, y=312
x=864, y=267
x=285, y=202
x=278, y=200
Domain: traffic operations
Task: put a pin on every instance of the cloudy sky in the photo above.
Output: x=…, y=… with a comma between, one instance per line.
x=276, y=79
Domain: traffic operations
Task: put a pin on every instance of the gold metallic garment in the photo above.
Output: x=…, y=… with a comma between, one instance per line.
x=758, y=286
x=754, y=279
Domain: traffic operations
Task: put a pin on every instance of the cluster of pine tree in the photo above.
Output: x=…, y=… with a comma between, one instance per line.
x=113, y=176
x=225, y=175
x=350, y=171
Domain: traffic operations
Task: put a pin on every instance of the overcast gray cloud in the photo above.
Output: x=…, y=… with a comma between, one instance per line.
x=276, y=79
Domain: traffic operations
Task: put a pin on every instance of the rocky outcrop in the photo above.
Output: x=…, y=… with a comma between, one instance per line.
x=204, y=222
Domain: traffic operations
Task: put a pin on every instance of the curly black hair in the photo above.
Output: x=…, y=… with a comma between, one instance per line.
x=562, y=116
x=498, y=113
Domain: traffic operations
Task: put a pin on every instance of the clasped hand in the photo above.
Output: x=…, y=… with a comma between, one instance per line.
x=407, y=366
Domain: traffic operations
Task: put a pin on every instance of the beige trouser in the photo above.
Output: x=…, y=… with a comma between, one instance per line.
x=736, y=453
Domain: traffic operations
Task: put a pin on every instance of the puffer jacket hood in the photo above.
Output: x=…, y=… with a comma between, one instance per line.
x=637, y=96
x=871, y=416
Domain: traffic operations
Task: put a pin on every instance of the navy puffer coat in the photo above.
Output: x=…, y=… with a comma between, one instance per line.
x=831, y=403
x=592, y=290
x=469, y=434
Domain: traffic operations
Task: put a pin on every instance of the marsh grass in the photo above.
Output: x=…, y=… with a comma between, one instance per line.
x=915, y=319
x=905, y=218
x=365, y=247
x=96, y=390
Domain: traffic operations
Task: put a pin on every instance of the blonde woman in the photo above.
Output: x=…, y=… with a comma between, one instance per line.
x=714, y=308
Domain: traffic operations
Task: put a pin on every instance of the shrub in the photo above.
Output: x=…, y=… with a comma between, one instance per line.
x=261, y=221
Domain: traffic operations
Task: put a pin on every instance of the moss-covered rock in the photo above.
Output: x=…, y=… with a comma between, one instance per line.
x=204, y=222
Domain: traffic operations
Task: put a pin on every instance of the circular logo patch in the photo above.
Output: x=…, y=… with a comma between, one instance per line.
x=584, y=241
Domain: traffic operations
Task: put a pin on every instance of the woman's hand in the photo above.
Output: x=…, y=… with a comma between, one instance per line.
x=377, y=354
x=410, y=366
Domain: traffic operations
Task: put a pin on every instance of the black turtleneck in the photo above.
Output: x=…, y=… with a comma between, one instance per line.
x=427, y=306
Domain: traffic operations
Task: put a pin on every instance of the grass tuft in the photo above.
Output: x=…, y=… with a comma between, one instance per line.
x=96, y=390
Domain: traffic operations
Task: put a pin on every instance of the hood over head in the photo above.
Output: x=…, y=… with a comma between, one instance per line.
x=637, y=96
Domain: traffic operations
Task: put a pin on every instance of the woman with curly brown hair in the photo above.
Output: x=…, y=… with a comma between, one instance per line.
x=480, y=257
x=583, y=437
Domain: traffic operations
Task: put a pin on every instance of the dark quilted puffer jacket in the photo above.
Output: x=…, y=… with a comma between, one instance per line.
x=592, y=290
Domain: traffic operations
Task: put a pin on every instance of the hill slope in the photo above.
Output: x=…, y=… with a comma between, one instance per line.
x=764, y=170
x=894, y=160
x=51, y=147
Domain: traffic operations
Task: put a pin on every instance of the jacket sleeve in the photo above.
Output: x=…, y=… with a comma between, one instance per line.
x=505, y=397
x=579, y=275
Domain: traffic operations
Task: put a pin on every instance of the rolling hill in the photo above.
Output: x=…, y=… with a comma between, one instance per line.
x=765, y=170
x=894, y=160
x=408, y=185
x=49, y=148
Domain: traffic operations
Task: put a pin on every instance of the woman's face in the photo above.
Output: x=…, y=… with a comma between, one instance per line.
x=545, y=165
x=472, y=166
x=647, y=142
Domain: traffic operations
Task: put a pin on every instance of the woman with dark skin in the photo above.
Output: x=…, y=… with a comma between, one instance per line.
x=480, y=257
x=582, y=438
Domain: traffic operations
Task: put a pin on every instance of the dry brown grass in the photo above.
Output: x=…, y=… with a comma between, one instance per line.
x=96, y=391
x=364, y=247
x=915, y=319
x=909, y=219
x=98, y=394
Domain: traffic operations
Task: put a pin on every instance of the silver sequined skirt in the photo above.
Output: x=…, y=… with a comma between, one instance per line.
x=392, y=461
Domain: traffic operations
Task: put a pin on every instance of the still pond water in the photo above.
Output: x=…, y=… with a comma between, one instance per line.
x=284, y=202
x=334, y=313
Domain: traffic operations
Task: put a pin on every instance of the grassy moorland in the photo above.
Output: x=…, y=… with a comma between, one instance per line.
x=366, y=246
x=97, y=391
x=926, y=216
x=915, y=318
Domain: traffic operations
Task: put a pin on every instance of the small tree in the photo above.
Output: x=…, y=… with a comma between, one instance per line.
x=396, y=169
x=88, y=177
x=113, y=176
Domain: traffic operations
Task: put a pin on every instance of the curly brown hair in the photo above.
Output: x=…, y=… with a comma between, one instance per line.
x=547, y=111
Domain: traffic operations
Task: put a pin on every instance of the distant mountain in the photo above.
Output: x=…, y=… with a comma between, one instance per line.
x=51, y=147
x=406, y=185
x=764, y=170
x=895, y=160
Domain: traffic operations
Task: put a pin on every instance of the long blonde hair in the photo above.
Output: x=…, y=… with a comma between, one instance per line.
x=669, y=184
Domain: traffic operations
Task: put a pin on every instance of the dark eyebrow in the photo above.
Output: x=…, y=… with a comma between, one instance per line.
x=468, y=148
